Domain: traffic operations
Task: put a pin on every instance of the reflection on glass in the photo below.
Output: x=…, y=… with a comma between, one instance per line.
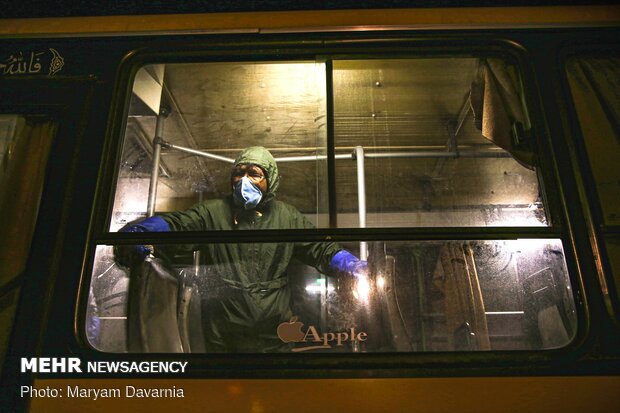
x=422, y=296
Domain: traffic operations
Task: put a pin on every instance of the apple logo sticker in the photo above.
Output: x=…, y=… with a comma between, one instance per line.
x=290, y=332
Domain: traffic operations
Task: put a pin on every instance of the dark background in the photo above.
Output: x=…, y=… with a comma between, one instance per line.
x=60, y=8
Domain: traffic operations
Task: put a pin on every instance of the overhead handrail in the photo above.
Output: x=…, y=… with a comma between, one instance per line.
x=487, y=153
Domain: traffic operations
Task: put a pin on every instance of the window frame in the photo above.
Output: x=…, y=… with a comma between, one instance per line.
x=327, y=48
x=552, y=212
x=600, y=233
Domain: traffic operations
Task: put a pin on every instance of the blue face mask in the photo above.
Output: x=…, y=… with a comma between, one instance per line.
x=246, y=194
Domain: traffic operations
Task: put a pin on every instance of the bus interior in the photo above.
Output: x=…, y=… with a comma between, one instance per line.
x=417, y=143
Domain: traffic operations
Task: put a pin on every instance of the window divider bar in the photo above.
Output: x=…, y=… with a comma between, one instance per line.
x=331, y=145
x=329, y=235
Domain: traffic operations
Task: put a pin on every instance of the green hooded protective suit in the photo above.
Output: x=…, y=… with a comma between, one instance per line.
x=245, y=288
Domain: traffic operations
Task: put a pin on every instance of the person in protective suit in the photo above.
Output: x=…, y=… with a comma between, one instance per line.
x=253, y=297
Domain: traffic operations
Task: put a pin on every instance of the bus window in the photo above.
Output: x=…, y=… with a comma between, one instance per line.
x=438, y=140
x=594, y=84
x=418, y=142
x=426, y=142
x=416, y=296
x=217, y=109
x=25, y=142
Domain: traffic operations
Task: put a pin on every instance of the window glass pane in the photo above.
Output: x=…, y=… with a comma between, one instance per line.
x=414, y=296
x=431, y=131
x=418, y=142
x=219, y=109
x=595, y=86
x=25, y=142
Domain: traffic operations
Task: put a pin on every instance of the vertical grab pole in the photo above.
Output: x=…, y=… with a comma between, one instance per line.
x=197, y=252
x=361, y=197
x=159, y=131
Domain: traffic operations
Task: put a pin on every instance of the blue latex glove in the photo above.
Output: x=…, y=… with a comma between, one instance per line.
x=344, y=261
x=151, y=224
x=129, y=255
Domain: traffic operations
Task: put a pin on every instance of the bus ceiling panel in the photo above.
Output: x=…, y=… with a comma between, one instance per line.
x=228, y=106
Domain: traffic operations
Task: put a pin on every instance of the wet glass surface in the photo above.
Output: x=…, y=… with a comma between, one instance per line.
x=414, y=297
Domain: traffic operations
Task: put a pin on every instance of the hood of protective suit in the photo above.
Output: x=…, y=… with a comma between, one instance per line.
x=260, y=156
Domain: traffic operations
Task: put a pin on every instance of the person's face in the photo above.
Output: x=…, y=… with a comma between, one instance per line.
x=253, y=172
